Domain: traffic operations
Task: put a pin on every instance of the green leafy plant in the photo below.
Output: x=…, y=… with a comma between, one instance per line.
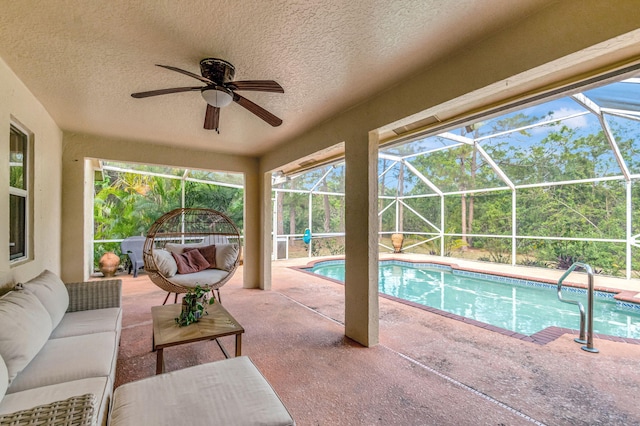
x=527, y=261
x=193, y=306
x=566, y=260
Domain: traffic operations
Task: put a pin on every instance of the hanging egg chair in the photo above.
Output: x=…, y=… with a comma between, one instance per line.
x=192, y=246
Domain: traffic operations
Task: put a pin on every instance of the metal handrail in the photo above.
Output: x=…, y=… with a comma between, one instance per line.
x=589, y=340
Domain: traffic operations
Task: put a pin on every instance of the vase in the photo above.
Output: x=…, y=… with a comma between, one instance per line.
x=109, y=263
x=396, y=240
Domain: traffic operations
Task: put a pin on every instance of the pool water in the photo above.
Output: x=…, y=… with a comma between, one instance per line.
x=523, y=308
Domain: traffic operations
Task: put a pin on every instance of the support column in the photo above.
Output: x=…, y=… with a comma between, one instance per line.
x=252, y=277
x=361, y=240
x=76, y=257
x=265, y=234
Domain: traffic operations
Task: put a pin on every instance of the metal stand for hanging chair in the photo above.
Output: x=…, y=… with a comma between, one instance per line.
x=187, y=226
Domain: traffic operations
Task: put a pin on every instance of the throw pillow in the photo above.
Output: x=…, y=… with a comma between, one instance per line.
x=208, y=252
x=165, y=262
x=26, y=328
x=226, y=256
x=190, y=262
x=51, y=292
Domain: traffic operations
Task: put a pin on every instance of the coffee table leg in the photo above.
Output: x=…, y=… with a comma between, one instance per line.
x=159, y=361
x=238, y=344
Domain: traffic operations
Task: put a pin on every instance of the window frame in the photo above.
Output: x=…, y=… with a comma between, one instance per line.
x=24, y=193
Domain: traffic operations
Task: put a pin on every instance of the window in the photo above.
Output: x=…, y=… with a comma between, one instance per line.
x=18, y=194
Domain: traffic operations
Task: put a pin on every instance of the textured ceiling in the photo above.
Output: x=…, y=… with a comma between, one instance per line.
x=82, y=59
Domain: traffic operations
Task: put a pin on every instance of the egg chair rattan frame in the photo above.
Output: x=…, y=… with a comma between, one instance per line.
x=187, y=226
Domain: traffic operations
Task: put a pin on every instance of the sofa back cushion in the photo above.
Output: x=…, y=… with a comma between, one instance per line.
x=4, y=378
x=51, y=292
x=26, y=328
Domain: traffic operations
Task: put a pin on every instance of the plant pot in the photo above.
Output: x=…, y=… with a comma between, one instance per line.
x=186, y=308
x=109, y=263
x=396, y=240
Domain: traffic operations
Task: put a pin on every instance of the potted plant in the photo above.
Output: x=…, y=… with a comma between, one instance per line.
x=193, y=304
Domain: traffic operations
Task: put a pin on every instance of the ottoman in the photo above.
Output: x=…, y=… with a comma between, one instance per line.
x=228, y=392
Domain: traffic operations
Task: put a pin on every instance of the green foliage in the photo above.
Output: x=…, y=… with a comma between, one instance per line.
x=527, y=261
x=607, y=258
x=127, y=204
x=328, y=210
x=16, y=177
x=326, y=247
x=193, y=306
x=499, y=249
x=451, y=244
x=227, y=200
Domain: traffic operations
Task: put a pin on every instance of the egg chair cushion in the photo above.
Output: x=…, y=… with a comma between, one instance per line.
x=180, y=248
x=165, y=262
x=203, y=278
x=226, y=256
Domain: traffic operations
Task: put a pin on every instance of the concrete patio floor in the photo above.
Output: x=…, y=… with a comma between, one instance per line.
x=427, y=369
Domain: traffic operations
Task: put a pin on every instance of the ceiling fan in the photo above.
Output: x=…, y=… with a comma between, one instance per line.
x=220, y=90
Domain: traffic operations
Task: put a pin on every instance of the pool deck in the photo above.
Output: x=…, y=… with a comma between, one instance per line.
x=427, y=369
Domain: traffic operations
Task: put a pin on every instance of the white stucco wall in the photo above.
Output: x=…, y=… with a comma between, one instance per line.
x=18, y=105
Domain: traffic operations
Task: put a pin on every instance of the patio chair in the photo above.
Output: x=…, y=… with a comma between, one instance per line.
x=185, y=229
x=133, y=246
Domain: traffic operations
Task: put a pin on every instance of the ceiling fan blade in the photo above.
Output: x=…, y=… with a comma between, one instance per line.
x=257, y=110
x=212, y=118
x=256, y=85
x=190, y=74
x=164, y=91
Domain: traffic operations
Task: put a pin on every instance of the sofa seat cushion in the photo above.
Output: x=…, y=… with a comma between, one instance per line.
x=70, y=358
x=87, y=322
x=26, y=326
x=235, y=392
x=51, y=292
x=202, y=278
x=25, y=400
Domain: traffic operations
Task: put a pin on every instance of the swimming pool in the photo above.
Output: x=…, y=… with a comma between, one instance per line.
x=523, y=306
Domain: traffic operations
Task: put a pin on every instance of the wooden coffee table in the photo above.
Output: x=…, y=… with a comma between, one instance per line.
x=166, y=332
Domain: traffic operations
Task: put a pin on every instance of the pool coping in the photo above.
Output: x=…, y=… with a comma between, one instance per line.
x=541, y=337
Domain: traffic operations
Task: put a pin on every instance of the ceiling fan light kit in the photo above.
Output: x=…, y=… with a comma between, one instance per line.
x=219, y=91
x=217, y=96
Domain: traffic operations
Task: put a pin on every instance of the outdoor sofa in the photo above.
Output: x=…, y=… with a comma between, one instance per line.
x=58, y=352
x=58, y=349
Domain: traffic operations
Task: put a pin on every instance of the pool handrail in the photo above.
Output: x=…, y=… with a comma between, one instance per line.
x=589, y=340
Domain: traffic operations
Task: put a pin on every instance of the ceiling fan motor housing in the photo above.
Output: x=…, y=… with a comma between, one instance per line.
x=217, y=70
